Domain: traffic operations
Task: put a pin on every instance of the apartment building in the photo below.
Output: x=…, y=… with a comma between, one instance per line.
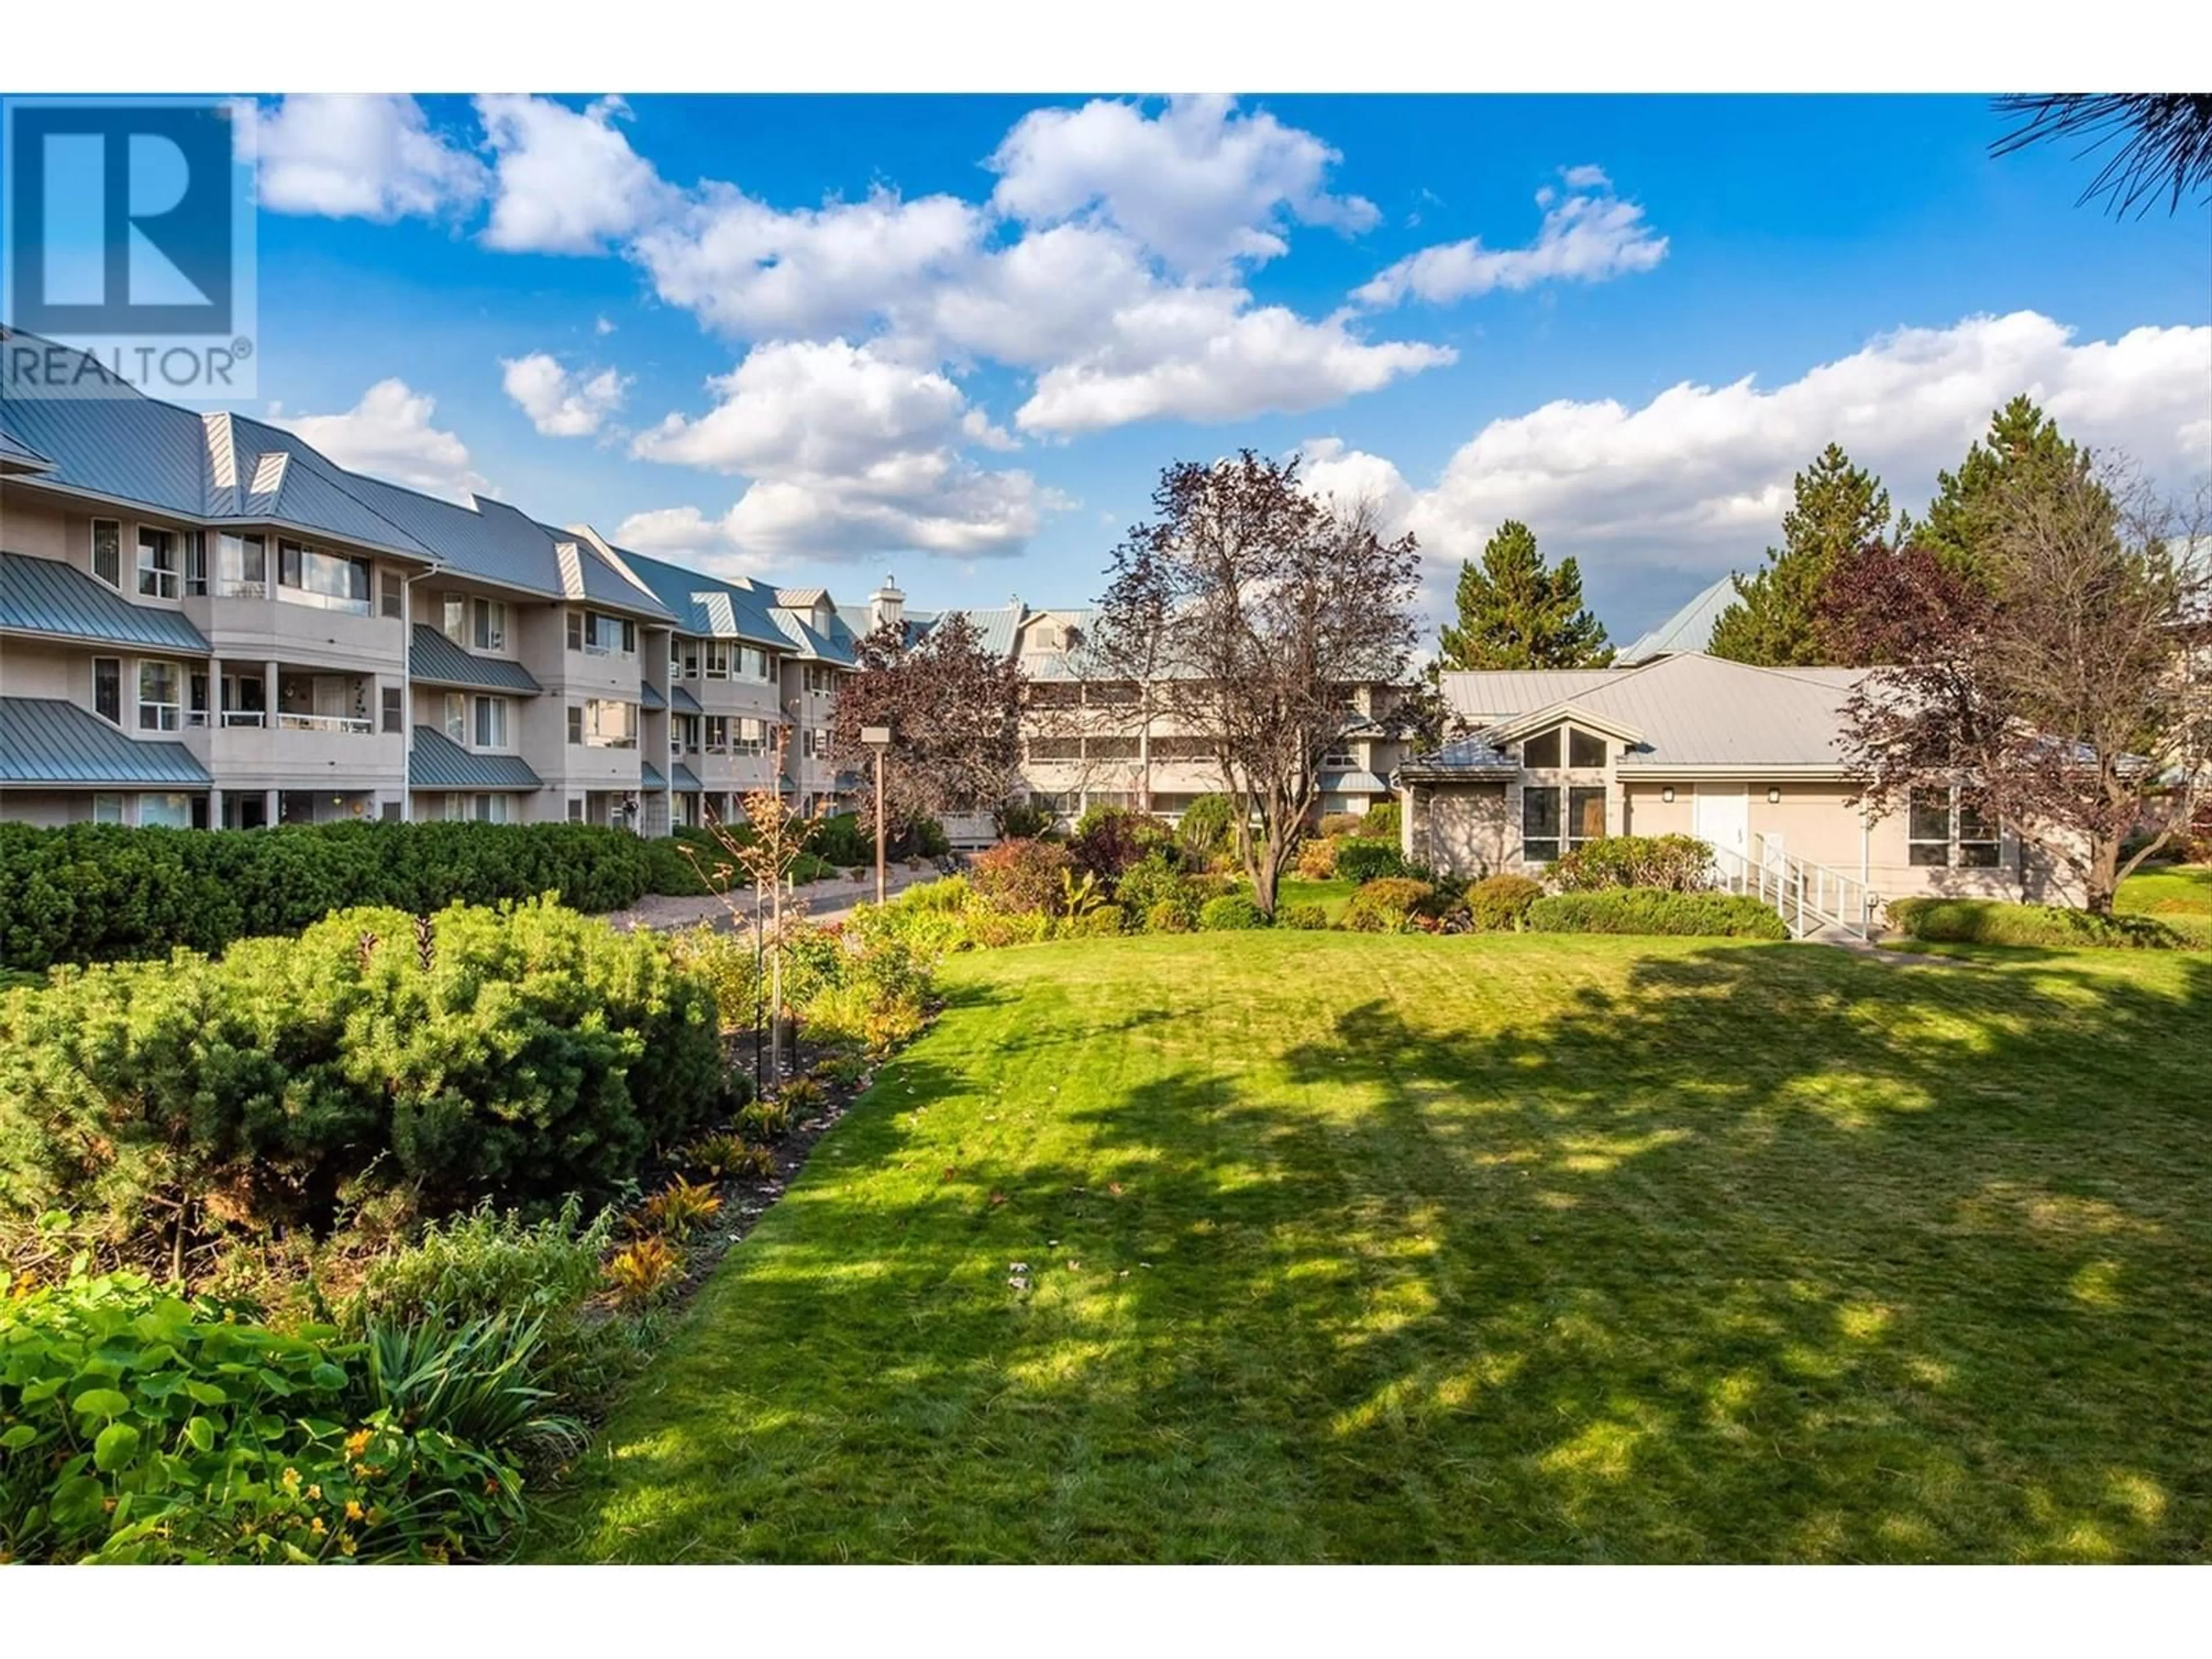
x=205, y=622
x=1092, y=738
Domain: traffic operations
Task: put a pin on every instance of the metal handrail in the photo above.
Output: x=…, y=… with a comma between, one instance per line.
x=357, y=724
x=1807, y=896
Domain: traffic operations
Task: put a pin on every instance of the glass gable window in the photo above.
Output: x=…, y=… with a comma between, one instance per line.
x=160, y=702
x=1585, y=750
x=157, y=563
x=241, y=567
x=1540, y=825
x=1542, y=752
x=328, y=582
x=107, y=565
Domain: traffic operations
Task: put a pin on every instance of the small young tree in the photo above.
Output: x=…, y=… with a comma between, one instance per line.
x=2050, y=679
x=1513, y=611
x=954, y=711
x=766, y=849
x=1266, y=606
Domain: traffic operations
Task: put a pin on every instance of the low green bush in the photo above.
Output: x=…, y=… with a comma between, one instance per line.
x=1388, y=905
x=1368, y=861
x=143, y=1427
x=1381, y=822
x=1106, y=921
x=1679, y=863
x=1020, y=878
x=520, y=1055
x=1306, y=916
x=1231, y=913
x=1207, y=828
x=1167, y=917
x=1334, y=825
x=1654, y=910
x=1500, y=904
x=103, y=893
x=1997, y=922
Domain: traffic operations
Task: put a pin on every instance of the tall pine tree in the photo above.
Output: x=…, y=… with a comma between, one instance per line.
x=2023, y=450
x=1514, y=612
x=1776, y=620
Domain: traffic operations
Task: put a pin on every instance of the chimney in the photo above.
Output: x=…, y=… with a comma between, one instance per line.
x=887, y=605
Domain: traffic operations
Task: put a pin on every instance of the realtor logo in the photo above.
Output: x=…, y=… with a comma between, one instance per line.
x=128, y=232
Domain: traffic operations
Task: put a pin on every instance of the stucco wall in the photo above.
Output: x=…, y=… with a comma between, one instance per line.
x=1462, y=830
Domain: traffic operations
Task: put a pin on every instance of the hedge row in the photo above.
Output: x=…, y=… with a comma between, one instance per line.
x=520, y=1055
x=1654, y=910
x=1997, y=922
x=104, y=893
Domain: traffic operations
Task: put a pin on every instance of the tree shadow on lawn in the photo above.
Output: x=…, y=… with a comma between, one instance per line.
x=1762, y=1253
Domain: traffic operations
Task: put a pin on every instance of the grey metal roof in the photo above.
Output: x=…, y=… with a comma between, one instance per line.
x=648, y=696
x=436, y=761
x=1690, y=628
x=45, y=741
x=18, y=454
x=649, y=776
x=44, y=596
x=807, y=641
x=683, y=777
x=684, y=704
x=1485, y=695
x=1351, y=783
x=1464, y=757
x=706, y=606
x=112, y=440
x=437, y=660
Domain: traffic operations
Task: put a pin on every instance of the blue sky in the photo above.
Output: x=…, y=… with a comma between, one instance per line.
x=977, y=389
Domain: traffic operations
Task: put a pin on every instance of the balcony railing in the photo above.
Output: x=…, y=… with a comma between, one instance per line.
x=244, y=717
x=356, y=724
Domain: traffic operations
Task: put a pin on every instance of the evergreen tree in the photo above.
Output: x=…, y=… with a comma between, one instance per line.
x=2022, y=450
x=1516, y=613
x=1776, y=620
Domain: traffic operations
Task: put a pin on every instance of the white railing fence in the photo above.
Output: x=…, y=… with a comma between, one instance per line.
x=1807, y=896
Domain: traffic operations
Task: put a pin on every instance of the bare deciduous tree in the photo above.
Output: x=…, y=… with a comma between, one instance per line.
x=2062, y=695
x=1262, y=607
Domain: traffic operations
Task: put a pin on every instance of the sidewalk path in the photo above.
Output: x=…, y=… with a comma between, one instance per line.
x=825, y=900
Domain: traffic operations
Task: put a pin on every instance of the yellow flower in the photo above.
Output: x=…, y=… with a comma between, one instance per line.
x=316, y=1526
x=291, y=1481
x=357, y=1442
x=354, y=1509
x=315, y=1491
x=348, y=1545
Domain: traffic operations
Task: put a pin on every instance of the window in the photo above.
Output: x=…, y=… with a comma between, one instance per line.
x=1928, y=827
x=1111, y=694
x=164, y=811
x=1585, y=816
x=196, y=572
x=1540, y=824
x=717, y=656
x=675, y=658
x=820, y=677
x=491, y=625
x=601, y=637
x=453, y=618
x=1182, y=748
x=718, y=734
x=1585, y=750
x=245, y=700
x=1542, y=752
x=455, y=808
x=107, y=688
x=750, y=737
x=575, y=808
x=1978, y=835
x=157, y=563
x=328, y=582
x=490, y=809
x=1111, y=749
x=457, y=717
x=161, y=707
x=107, y=565
x=1339, y=760
x=756, y=663
x=107, y=809
x=389, y=811
x=686, y=739
x=196, y=704
x=241, y=567
x=395, y=712
x=394, y=605
x=1055, y=749
x=602, y=723
x=491, y=722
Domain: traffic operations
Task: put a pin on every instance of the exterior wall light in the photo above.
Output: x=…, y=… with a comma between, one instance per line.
x=1668, y=794
x=1773, y=797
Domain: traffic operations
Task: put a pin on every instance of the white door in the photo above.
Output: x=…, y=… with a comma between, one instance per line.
x=1722, y=817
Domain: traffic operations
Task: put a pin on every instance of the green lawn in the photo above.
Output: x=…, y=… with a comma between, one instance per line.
x=1351, y=1248
x=1331, y=896
x=2175, y=889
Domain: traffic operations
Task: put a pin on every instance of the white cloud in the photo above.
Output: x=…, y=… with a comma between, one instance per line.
x=687, y=536
x=560, y=404
x=567, y=181
x=1657, y=500
x=347, y=156
x=388, y=434
x=1199, y=184
x=603, y=326
x=850, y=453
x=1585, y=238
x=755, y=271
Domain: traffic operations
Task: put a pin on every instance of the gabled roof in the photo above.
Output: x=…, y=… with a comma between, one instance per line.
x=1486, y=695
x=436, y=761
x=436, y=660
x=805, y=640
x=706, y=606
x=1690, y=628
x=45, y=741
x=20, y=457
x=44, y=596
x=1583, y=712
x=1462, y=758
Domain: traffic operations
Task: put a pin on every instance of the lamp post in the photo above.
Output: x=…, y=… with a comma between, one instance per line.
x=878, y=738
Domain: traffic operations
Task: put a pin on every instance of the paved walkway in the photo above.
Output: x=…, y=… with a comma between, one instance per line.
x=825, y=900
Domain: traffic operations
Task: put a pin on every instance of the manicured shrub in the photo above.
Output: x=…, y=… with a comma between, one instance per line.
x=1387, y=905
x=1159, y=879
x=1231, y=913
x=1020, y=878
x=1108, y=840
x=1680, y=863
x=1381, y=822
x=1500, y=903
x=1106, y=921
x=840, y=841
x=143, y=1427
x=1305, y=916
x=1996, y=921
x=1654, y=910
x=520, y=1055
x=1167, y=917
x=1368, y=861
x=1334, y=825
x=1317, y=860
